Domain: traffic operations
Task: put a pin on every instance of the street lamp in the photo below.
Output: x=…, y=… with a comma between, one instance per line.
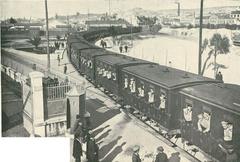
x=47, y=36
x=200, y=39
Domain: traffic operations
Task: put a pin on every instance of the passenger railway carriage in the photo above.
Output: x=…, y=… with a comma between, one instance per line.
x=153, y=90
x=211, y=116
x=87, y=61
x=205, y=111
x=108, y=71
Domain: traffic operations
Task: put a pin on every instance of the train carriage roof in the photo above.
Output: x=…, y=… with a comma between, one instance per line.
x=167, y=77
x=119, y=59
x=95, y=51
x=224, y=95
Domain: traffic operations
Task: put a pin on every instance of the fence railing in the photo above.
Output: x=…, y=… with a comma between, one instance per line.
x=56, y=92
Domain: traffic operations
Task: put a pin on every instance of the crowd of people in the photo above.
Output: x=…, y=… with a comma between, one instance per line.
x=58, y=44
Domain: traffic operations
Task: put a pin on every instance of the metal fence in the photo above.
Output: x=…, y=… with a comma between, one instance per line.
x=58, y=92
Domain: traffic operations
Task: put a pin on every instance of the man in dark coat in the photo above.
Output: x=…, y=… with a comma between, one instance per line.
x=120, y=49
x=92, y=150
x=135, y=155
x=161, y=156
x=77, y=147
x=65, y=69
x=126, y=48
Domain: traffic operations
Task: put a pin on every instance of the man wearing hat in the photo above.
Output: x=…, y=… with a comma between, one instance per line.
x=161, y=156
x=135, y=156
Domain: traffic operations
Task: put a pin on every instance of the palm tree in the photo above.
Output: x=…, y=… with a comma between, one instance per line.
x=36, y=41
x=220, y=45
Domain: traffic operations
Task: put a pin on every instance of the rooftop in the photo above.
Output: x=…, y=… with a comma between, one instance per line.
x=226, y=95
x=168, y=77
x=235, y=12
x=119, y=59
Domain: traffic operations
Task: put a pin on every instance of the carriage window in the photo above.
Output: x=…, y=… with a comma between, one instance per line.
x=132, y=85
x=109, y=74
x=187, y=112
x=227, y=130
x=126, y=81
x=162, y=100
x=151, y=95
x=204, y=122
x=100, y=71
x=90, y=64
x=141, y=90
x=104, y=72
x=114, y=76
x=83, y=60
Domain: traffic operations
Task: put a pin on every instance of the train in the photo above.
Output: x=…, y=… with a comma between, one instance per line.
x=204, y=111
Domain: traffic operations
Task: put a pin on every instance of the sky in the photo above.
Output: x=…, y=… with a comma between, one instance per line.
x=35, y=8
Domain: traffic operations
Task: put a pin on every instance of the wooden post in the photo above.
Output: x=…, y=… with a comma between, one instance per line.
x=200, y=40
x=47, y=36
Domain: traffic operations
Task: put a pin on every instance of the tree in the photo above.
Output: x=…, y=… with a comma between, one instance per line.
x=221, y=46
x=12, y=21
x=217, y=45
x=36, y=41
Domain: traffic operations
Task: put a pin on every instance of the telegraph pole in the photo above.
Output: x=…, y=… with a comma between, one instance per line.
x=47, y=35
x=200, y=40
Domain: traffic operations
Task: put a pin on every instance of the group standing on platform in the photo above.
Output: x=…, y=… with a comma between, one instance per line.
x=83, y=136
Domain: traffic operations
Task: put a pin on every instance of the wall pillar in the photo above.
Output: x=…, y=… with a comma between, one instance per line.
x=76, y=104
x=37, y=103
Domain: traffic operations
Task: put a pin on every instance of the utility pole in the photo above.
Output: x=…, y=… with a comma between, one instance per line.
x=68, y=24
x=131, y=33
x=47, y=35
x=200, y=40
